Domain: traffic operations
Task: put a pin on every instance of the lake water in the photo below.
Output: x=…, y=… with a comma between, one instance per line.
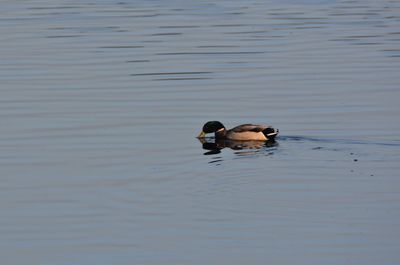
x=101, y=100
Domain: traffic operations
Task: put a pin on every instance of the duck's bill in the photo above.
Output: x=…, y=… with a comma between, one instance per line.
x=201, y=135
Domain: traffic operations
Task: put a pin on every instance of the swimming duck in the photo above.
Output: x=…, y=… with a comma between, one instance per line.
x=244, y=132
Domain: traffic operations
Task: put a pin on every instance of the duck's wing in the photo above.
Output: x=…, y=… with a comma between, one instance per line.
x=250, y=128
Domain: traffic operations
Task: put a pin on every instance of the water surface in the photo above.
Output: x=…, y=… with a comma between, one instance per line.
x=101, y=102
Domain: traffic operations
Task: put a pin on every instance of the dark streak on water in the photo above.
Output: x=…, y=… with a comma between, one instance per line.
x=206, y=53
x=100, y=102
x=122, y=47
x=175, y=73
x=338, y=141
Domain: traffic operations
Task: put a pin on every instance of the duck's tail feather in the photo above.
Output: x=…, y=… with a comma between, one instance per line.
x=270, y=133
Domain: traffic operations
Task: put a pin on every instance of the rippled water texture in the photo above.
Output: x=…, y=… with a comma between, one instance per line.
x=101, y=100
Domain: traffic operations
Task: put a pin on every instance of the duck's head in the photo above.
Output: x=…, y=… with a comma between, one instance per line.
x=211, y=127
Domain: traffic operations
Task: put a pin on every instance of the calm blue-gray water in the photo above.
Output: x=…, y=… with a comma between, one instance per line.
x=101, y=100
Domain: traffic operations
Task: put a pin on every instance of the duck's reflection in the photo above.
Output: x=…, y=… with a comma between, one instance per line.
x=242, y=148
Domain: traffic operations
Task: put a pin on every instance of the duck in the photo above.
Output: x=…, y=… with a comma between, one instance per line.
x=244, y=132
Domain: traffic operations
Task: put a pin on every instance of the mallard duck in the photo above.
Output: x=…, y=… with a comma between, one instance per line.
x=244, y=132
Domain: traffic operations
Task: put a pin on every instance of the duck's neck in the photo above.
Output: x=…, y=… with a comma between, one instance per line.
x=220, y=134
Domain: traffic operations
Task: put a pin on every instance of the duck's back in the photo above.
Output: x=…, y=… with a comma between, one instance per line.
x=250, y=128
x=248, y=132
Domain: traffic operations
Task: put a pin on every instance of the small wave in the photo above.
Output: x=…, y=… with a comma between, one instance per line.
x=337, y=140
